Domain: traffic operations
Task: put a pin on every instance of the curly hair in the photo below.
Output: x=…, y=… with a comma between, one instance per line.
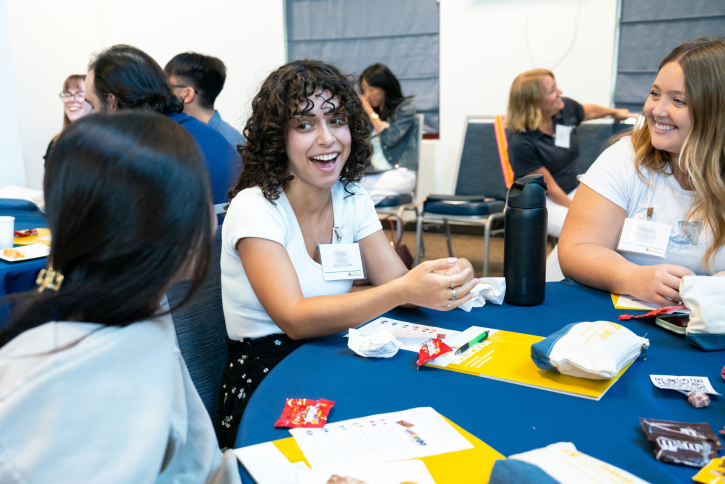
x=284, y=94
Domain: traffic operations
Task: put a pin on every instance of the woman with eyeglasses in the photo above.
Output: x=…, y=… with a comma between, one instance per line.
x=74, y=104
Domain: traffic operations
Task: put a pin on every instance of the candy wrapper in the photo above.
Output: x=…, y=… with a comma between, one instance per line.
x=698, y=399
x=304, y=413
x=432, y=349
x=25, y=233
x=690, y=444
x=652, y=314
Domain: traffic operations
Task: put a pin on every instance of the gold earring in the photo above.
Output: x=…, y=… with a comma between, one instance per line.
x=49, y=279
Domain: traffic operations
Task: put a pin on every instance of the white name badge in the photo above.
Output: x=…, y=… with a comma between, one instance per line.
x=341, y=261
x=563, y=135
x=644, y=237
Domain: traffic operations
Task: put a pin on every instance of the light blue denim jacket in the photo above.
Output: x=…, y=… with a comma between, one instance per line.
x=400, y=139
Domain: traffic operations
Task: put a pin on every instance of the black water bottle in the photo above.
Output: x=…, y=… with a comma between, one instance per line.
x=524, y=257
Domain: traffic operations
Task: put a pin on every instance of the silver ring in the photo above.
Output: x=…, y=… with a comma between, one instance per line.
x=449, y=304
x=452, y=285
x=454, y=295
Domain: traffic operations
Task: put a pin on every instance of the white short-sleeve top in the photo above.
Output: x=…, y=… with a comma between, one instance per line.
x=252, y=215
x=614, y=176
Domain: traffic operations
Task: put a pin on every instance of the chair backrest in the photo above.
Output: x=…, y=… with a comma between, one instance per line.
x=479, y=172
x=421, y=121
x=593, y=139
x=201, y=330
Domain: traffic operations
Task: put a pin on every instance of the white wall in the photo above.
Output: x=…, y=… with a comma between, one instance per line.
x=12, y=170
x=51, y=40
x=483, y=48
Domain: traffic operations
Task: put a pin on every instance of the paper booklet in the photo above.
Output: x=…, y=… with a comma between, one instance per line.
x=625, y=301
x=443, y=452
x=506, y=356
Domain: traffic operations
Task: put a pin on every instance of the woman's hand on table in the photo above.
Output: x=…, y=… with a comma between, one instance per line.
x=658, y=284
x=426, y=285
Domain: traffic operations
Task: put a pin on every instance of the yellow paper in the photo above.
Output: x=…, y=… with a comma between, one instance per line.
x=506, y=356
x=712, y=473
x=34, y=239
x=470, y=466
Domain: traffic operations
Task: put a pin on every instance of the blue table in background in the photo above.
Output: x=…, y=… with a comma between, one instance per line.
x=511, y=418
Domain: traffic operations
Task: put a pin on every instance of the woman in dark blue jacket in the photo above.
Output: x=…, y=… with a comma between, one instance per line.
x=395, y=137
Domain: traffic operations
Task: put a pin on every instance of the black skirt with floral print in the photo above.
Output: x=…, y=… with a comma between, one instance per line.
x=250, y=360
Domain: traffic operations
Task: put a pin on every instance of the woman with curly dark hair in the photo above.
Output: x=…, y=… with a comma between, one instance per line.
x=307, y=147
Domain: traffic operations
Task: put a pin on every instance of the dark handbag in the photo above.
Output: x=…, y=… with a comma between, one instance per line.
x=400, y=248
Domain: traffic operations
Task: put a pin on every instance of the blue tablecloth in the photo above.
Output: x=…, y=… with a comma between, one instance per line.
x=511, y=418
x=20, y=276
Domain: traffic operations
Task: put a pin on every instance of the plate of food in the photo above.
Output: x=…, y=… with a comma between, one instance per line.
x=28, y=252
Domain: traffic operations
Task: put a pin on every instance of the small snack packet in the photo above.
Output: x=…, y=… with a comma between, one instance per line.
x=25, y=233
x=305, y=413
x=431, y=350
x=698, y=399
x=712, y=473
x=690, y=444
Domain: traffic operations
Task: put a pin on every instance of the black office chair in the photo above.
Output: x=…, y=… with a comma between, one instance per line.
x=480, y=190
x=201, y=329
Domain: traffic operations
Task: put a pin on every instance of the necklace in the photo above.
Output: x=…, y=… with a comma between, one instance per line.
x=305, y=223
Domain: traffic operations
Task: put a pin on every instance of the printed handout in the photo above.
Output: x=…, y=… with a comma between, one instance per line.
x=683, y=383
x=390, y=473
x=412, y=335
x=410, y=434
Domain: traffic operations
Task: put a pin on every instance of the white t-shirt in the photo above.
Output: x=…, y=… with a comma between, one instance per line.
x=252, y=215
x=615, y=177
x=115, y=406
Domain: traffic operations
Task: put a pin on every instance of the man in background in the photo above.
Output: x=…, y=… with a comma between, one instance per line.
x=198, y=79
x=124, y=77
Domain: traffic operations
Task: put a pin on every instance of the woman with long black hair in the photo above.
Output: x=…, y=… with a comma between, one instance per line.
x=395, y=134
x=93, y=387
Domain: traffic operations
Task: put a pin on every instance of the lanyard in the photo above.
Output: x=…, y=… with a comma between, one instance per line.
x=650, y=208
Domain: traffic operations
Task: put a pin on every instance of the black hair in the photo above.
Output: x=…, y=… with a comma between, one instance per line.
x=378, y=75
x=285, y=93
x=206, y=74
x=135, y=80
x=129, y=205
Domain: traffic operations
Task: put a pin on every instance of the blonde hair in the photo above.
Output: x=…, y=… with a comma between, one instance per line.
x=525, y=100
x=702, y=156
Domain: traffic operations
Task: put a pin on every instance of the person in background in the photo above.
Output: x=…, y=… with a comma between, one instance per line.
x=669, y=171
x=395, y=135
x=198, y=79
x=307, y=146
x=93, y=387
x=74, y=105
x=544, y=141
x=124, y=77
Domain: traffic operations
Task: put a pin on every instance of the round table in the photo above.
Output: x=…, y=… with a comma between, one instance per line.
x=20, y=276
x=510, y=418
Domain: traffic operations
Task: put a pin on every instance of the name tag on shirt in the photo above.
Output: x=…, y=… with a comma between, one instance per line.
x=563, y=136
x=644, y=237
x=341, y=261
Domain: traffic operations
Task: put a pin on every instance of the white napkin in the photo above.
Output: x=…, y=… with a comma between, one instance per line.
x=380, y=344
x=492, y=289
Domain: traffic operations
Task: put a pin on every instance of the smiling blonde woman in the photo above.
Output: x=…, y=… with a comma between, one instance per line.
x=671, y=170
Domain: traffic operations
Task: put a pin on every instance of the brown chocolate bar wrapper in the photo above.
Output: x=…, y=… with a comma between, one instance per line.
x=681, y=443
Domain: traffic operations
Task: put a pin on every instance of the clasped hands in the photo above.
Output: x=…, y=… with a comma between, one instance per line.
x=427, y=284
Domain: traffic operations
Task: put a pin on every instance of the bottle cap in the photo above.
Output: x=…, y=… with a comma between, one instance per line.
x=527, y=192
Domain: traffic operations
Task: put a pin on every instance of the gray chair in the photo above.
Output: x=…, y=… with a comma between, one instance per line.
x=593, y=138
x=201, y=332
x=480, y=190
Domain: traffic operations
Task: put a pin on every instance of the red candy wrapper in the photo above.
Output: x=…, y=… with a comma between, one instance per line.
x=652, y=314
x=25, y=233
x=305, y=413
x=432, y=349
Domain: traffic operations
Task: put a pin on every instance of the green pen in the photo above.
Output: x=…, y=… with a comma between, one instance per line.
x=474, y=341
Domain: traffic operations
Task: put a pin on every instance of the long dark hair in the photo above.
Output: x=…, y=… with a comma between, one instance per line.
x=286, y=92
x=129, y=205
x=378, y=75
x=135, y=80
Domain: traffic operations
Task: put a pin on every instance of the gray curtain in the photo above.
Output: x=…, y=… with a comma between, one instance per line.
x=649, y=30
x=353, y=34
